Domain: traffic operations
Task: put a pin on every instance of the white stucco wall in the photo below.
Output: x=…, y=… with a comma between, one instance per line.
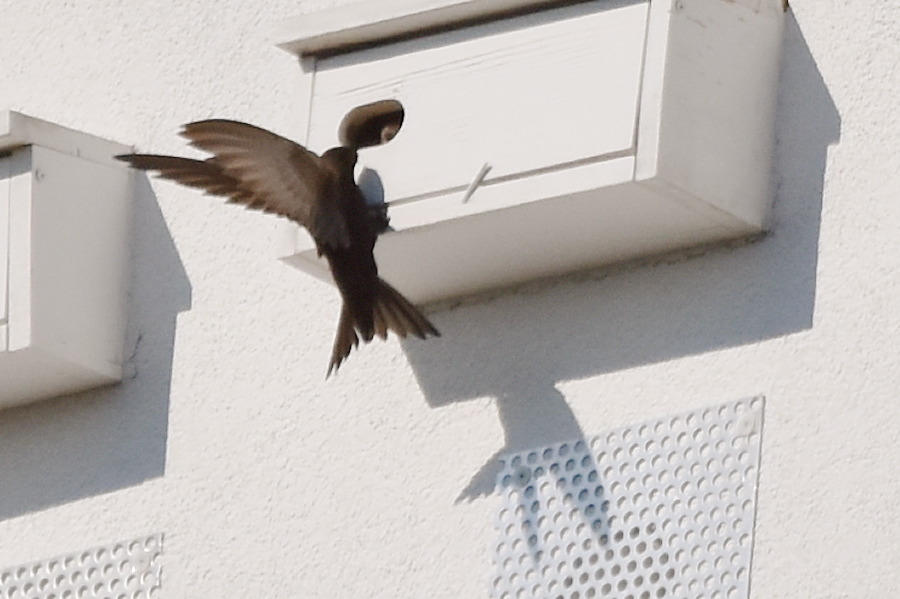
x=270, y=482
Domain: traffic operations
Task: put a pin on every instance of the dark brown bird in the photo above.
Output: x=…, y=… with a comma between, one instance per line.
x=264, y=171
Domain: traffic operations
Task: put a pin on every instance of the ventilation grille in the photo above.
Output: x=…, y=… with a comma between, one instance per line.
x=659, y=509
x=123, y=570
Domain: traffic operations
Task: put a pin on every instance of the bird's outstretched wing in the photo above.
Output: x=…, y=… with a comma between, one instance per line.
x=261, y=170
x=280, y=174
x=202, y=174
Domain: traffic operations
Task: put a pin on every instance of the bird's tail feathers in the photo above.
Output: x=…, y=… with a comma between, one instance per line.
x=345, y=339
x=391, y=312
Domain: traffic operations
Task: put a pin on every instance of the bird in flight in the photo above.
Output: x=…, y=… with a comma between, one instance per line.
x=264, y=171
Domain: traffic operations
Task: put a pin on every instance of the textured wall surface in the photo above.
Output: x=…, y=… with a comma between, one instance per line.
x=268, y=481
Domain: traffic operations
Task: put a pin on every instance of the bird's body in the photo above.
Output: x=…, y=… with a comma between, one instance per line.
x=353, y=266
x=263, y=171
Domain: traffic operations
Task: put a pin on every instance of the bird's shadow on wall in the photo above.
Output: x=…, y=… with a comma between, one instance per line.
x=516, y=347
x=67, y=448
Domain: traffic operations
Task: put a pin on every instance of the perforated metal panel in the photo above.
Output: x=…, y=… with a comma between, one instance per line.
x=659, y=509
x=123, y=570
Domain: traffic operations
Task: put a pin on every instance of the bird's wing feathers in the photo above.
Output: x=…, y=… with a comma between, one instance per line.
x=276, y=175
x=201, y=174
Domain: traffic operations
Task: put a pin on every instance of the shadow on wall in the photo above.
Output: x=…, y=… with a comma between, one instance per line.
x=517, y=347
x=68, y=448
